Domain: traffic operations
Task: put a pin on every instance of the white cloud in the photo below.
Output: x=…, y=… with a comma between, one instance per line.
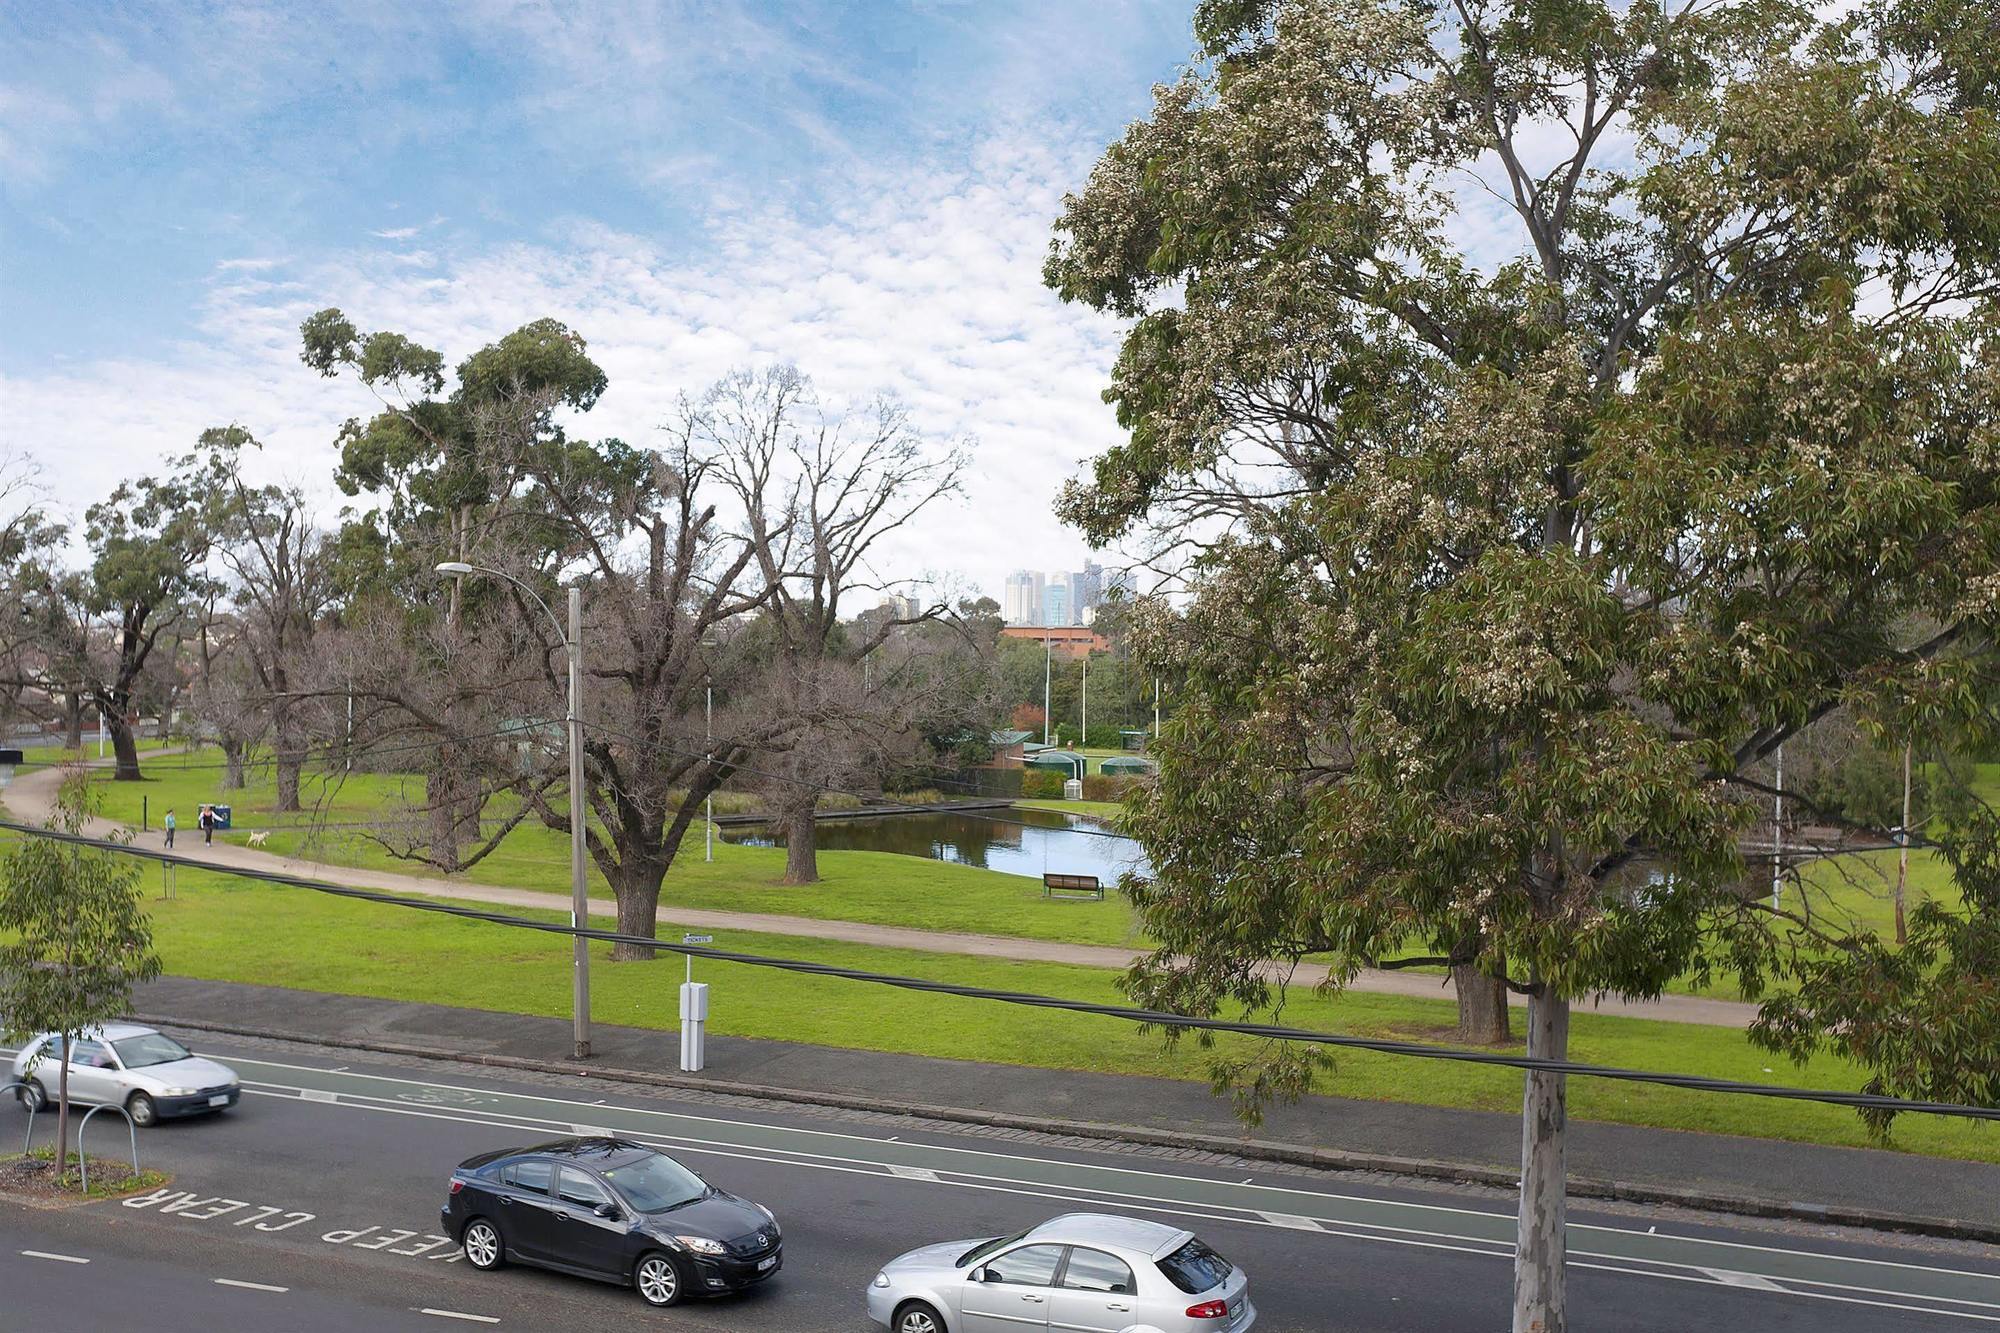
x=397, y=233
x=923, y=284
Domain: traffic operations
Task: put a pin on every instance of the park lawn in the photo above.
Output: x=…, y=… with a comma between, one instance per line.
x=874, y=888
x=227, y=929
x=1100, y=809
x=44, y=755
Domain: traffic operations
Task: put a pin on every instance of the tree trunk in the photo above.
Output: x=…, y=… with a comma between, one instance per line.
x=73, y=722
x=1540, y=1243
x=441, y=800
x=125, y=746
x=290, y=756
x=232, y=764
x=1482, y=1007
x=62, y=1112
x=795, y=820
x=637, y=886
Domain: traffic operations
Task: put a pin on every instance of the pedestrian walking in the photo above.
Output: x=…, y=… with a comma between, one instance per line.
x=170, y=827
x=207, y=821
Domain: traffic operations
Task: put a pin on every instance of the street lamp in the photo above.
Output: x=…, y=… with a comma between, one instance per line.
x=579, y=911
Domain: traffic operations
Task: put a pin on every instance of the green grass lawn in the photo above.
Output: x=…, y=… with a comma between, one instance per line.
x=232, y=930
x=1101, y=809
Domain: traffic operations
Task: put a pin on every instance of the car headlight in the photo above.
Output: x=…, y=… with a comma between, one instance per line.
x=881, y=1280
x=179, y=1092
x=703, y=1245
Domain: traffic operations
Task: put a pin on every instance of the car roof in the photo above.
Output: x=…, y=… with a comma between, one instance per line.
x=108, y=1032
x=598, y=1151
x=1151, y=1239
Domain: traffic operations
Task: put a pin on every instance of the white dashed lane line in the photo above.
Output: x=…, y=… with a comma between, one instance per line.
x=58, y=1258
x=455, y=1314
x=248, y=1286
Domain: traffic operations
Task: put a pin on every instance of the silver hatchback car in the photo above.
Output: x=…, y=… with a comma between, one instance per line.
x=1089, y=1272
x=148, y=1073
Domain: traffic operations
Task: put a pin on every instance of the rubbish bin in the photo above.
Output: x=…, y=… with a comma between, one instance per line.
x=221, y=815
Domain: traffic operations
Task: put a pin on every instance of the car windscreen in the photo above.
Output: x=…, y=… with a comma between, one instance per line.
x=986, y=1247
x=654, y=1184
x=151, y=1049
x=1195, y=1268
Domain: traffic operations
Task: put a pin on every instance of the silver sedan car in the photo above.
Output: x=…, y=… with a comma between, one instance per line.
x=148, y=1073
x=1089, y=1272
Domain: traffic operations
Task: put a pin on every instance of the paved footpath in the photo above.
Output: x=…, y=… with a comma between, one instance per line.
x=32, y=796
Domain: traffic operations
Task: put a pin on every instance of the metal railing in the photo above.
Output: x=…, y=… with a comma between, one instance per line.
x=82, y=1158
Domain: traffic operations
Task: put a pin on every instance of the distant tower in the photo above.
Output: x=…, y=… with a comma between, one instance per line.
x=1056, y=601
x=1086, y=590
x=1022, y=602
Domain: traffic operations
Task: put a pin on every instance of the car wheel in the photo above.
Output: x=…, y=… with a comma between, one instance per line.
x=144, y=1114
x=658, y=1280
x=916, y=1317
x=483, y=1249
x=34, y=1096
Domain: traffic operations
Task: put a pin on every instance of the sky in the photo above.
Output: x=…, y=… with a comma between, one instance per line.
x=863, y=189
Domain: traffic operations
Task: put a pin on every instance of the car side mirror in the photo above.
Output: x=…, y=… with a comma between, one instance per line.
x=978, y=1275
x=607, y=1210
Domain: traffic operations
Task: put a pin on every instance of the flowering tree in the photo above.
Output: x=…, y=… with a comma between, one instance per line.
x=1562, y=405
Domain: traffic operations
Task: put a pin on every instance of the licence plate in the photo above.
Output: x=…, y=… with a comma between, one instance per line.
x=219, y=1101
x=766, y=1264
x=1235, y=1311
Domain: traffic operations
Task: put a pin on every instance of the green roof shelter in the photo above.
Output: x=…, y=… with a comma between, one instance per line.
x=1063, y=761
x=1125, y=764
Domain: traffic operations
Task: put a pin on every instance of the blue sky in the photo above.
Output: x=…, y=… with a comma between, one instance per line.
x=863, y=188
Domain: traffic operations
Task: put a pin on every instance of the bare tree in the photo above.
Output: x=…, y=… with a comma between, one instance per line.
x=820, y=489
x=279, y=564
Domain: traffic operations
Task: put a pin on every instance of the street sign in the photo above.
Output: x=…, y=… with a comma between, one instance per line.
x=697, y=939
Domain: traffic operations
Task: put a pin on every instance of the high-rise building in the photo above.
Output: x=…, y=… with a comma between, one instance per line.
x=1056, y=601
x=1086, y=591
x=1022, y=601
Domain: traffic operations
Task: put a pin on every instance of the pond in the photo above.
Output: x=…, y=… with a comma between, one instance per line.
x=1014, y=842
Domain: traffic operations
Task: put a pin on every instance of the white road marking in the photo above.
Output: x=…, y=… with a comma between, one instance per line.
x=1380, y=1233
x=1295, y=1223
x=1730, y=1278
x=458, y=1314
x=248, y=1286
x=59, y=1258
x=318, y=1095
x=1507, y=1217
x=587, y=1131
x=913, y=1173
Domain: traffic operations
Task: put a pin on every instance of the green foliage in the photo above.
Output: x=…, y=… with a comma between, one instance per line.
x=1041, y=784
x=1539, y=555
x=76, y=937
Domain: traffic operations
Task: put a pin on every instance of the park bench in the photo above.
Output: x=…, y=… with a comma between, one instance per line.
x=1071, y=886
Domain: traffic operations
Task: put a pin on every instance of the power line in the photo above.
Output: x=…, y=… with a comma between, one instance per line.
x=1151, y=1017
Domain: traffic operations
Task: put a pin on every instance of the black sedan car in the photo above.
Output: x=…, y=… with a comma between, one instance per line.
x=612, y=1210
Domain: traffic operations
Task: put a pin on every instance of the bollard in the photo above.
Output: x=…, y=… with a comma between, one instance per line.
x=694, y=1025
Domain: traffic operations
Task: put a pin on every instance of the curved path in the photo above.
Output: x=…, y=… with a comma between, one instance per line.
x=31, y=798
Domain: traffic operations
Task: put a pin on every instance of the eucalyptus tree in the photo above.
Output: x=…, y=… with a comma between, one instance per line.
x=435, y=491
x=1560, y=406
x=150, y=541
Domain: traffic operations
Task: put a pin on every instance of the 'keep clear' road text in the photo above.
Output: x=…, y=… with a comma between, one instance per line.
x=191, y=1207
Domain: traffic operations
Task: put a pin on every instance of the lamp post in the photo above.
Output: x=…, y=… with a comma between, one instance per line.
x=1048, y=660
x=579, y=911
x=708, y=748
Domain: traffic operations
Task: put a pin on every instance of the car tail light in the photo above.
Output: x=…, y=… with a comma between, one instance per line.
x=456, y=1184
x=1209, y=1310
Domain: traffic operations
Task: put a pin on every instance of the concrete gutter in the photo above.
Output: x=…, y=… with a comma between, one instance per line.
x=1331, y=1159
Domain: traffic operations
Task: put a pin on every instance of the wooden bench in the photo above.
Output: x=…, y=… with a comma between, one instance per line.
x=1071, y=886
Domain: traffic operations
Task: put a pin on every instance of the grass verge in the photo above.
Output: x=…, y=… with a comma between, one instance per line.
x=232, y=930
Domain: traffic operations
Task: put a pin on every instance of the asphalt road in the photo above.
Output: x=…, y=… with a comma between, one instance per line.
x=314, y=1204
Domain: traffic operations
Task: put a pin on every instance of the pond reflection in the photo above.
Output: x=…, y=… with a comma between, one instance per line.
x=1014, y=842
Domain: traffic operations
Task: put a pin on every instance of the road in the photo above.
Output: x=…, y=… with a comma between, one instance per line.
x=313, y=1206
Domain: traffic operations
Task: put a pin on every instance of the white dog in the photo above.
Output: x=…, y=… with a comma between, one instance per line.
x=258, y=839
